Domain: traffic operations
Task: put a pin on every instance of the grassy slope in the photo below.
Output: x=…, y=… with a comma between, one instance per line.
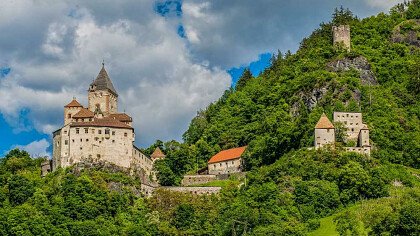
x=327, y=228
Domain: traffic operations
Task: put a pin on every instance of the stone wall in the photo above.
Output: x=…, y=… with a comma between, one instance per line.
x=363, y=138
x=147, y=190
x=360, y=150
x=79, y=143
x=195, y=190
x=225, y=167
x=69, y=112
x=107, y=102
x=341, y=34
x=141, y=162
x=352, y=121
x=56, y=149
x=197, y=179
x=46, y=167
x=324, y=137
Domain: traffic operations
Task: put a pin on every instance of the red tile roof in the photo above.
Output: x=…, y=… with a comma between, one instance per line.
x=73, y=103
x=157, y=154
x=102, y=122
x=226, y=155
x=84, y=113
x=121, y=117
x=324, y=123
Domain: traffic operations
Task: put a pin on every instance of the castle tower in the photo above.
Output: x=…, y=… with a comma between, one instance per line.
x=341, y=34
x=363, y=140
x=324, y=132
x=102, y=96
x=70, y=110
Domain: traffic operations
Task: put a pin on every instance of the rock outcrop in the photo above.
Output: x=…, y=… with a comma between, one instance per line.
x=359, y=64
x=407, y=32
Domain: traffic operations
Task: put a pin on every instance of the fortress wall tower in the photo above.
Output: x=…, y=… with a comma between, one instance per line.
x=364, y=137
x=341, y=34
x=70, y=110
x=324, y=132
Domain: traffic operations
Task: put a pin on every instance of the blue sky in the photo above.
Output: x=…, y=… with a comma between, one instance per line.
x=167, y=59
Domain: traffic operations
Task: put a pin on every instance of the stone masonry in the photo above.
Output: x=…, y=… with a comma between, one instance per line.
x=341, y=34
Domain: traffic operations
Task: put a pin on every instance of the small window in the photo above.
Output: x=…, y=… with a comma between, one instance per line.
x=351, y=123
x=113, y=132
x=98, y=155
x=328, y=130
x=232, y=162
x=66, y=142
x=80, y=148
x=69, y=115
x=352, y=129
x=87, y=140
x=81, y=140
x=107, y=131
x=113, y=141
x=77, y=130
x=220, y=164
x=125, y=134
x=345, y=122
x=96, y=138
x=93, y=131
x=72, y=140
x=99, y=131
x=65, y=131
x=347, y=115
x=86, y=130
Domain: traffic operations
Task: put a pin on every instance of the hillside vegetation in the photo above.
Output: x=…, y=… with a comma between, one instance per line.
x=289, y=189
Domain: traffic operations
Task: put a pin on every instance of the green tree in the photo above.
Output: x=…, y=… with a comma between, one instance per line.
x=20, y=189
x=243, y=80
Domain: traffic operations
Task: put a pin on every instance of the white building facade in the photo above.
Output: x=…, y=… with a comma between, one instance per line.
x=99, y=133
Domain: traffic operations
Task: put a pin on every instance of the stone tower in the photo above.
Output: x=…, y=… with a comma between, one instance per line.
x=324, y=132
x=102, y=97
x=341, y=34
x=70, y=110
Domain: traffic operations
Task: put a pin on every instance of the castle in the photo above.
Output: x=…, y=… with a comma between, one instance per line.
x=355, y=130
x=99, y=133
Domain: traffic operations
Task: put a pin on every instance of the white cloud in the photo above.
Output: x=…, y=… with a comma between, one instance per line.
x=36, y=148
x=55, y=48
x=383, y=4
x=150, y=65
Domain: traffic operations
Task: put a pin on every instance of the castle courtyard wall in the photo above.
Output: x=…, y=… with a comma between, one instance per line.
x=197, y=179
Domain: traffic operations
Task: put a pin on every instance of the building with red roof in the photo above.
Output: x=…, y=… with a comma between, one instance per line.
x=226, y=161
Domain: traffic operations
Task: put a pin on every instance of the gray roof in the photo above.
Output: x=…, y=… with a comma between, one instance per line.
x=103, y=82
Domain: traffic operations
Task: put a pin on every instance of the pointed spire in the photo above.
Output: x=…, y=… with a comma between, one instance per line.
x=324, y=123
x=103, y=82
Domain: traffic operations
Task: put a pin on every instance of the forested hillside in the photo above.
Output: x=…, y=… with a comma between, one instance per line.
x=276, y=112
x=289, y=189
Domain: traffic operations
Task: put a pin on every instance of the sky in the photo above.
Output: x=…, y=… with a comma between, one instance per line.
x=167, y=59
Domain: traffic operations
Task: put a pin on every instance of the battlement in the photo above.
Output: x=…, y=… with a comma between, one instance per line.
x=341, y=34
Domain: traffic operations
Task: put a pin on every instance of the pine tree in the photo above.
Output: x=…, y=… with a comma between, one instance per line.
x=245, y=77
